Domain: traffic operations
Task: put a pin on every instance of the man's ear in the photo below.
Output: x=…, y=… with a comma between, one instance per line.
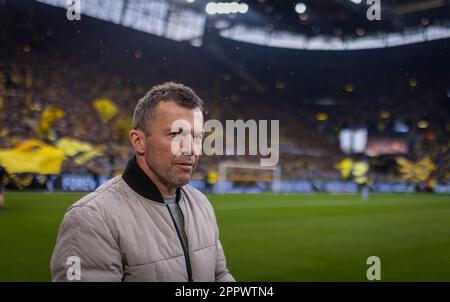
x=137, y=139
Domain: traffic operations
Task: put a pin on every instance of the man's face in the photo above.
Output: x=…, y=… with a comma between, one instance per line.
x=173, y=168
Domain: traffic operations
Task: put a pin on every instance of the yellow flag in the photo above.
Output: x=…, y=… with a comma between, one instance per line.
x=424, y=167
x=81, y=152
x=415, y=172
x=21, y=180
x=32, y=156
x=106, y=109
x=48, y=117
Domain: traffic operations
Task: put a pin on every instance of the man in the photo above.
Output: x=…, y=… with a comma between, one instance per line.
x=148, y=224
x=211, y=180
x=360, y=173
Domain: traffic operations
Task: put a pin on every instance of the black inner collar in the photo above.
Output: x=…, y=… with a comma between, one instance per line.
x=136, y=178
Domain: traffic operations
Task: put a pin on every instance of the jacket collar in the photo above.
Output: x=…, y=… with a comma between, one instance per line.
x=136, y=178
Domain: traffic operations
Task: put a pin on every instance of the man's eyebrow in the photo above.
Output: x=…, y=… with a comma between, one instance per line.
x=172, y=127
x=170, y=130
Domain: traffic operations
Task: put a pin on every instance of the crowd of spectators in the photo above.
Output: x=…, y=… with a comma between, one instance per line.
x=54, y=63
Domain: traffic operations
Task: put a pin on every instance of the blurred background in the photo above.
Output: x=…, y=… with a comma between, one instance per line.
x=363, y=107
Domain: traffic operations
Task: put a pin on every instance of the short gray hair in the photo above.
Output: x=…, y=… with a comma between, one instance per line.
x=170, y=91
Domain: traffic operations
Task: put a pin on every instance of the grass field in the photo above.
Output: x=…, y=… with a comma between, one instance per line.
x=271, y=237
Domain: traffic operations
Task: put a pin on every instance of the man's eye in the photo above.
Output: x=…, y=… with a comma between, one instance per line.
x=174, y=133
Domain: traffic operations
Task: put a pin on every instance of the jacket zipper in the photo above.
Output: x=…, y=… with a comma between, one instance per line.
x=185, y=251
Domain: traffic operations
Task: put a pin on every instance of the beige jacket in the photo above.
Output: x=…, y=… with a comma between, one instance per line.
x=124, y=232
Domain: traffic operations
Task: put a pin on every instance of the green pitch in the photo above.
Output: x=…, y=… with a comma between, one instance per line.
x=271, y=237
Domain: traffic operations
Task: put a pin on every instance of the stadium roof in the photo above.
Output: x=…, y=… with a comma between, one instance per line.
x=313, y=25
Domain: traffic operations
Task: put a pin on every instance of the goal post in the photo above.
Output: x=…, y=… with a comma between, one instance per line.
x=248, y=174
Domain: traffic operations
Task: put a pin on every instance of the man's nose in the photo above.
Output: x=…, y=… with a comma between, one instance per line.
x=187, y=145
x=190, y=145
